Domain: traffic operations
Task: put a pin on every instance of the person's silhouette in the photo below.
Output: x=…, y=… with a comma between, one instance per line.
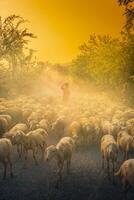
x=66, y=93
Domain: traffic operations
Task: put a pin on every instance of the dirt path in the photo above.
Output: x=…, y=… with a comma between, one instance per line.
x=86, y=181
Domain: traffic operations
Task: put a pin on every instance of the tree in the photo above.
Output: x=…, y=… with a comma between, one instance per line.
x=129, y=13
x=101, y=60
x=13, y=40
x=125, y=2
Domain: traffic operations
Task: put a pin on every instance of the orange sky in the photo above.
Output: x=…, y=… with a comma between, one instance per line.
x=62, y=25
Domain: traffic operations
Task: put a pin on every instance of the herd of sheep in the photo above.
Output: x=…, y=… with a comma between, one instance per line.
x=28, y=123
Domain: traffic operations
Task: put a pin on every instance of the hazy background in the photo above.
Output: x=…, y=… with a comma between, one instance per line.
x=62, y=25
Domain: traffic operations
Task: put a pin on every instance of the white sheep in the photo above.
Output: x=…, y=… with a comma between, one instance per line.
x=61, y=152
x=42, y=132
x=31, y=141
x=5, y=155
x=109, y=151
x=13, y=131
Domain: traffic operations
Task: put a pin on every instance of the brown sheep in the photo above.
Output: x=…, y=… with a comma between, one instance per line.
x=58, y=127
x=5, y=155
x=3, y=126
x=75, y=129
x=107, y=127
x=9, y=120
x=123, y=142
x=126, y=174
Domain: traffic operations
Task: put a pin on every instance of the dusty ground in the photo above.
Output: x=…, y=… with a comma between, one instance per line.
x=86, y=181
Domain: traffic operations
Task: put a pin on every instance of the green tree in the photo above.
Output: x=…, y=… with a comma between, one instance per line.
x=101, y=60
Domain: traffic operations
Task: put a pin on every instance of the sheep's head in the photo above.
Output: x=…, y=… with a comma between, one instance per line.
x=51, y=152
x=87, y=128
x=54, y=127
x=16, y=139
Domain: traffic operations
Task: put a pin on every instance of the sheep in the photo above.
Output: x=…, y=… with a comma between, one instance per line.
x=117, y=126
x=107, y=128
x=15, y=113
x=123, y=142
x=41, y=131
x=33, y=124
x=61, y=152
x=58, y=127
x=75, y=129
x=5, y=155
x=8, y=118
x=50, y=115
x=43, y=124
x=31, y=141
x=33, y=116
x=90, y=129
x=109, y=151
x=87, y=131
x=126, y=174
x=26, y=113
x=3, y=126
x=132, y=130
x=128, y=114
x=14, y=129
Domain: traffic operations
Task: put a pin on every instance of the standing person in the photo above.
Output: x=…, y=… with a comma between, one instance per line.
x=66, y=92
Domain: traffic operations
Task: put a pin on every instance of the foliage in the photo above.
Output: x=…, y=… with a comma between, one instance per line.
x=13, y=41
x=128, y=6
x=101, y=60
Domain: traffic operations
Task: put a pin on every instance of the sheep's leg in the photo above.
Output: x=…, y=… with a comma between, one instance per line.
x=21, y=149
x=107, y=164
x=25, y=152
x=18, y=150
x=5, y=170
x=34, y=157
x=68, y=164
x=102, y=161
x=108, y=168
x=126, y=188
x=113, y=167
x=113, y=171
x=60, y=166
x=36, y=150
x=126, y=155
x=10, y=163
x=42, y=152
